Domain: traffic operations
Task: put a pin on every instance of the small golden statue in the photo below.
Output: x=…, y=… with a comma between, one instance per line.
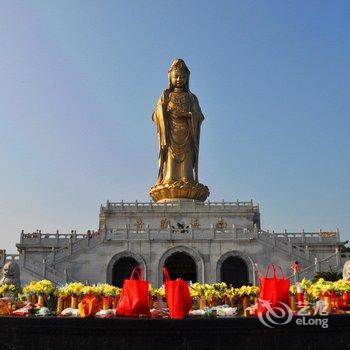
x=178, y=118
x=138, y=224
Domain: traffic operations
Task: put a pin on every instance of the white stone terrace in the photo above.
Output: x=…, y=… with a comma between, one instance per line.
x=57, y=240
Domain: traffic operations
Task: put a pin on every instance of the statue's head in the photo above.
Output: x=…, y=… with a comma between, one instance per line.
x=10, y=270
x=179, y=75
x=346, y=270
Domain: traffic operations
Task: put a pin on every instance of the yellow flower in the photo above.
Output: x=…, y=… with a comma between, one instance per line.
x=39, y=287
x=6, y=288
x=341, y=286
x=74, y=288
x=293, y=289
x=107, y=290
x=305, y=283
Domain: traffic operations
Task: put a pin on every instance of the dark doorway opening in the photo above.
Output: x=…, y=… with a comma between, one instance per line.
x=181, y=265
x=234, y=272
x=122, y=269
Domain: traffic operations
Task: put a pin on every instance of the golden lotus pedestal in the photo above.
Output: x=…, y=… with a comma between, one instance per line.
x=179, y=189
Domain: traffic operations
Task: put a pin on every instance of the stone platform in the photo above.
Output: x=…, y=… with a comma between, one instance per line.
x=238, y=333
x=217, y=239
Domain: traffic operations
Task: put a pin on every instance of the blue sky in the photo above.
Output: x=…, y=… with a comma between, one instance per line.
x=80, y=79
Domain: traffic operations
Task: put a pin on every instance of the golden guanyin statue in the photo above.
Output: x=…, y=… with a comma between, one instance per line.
x=178, y=118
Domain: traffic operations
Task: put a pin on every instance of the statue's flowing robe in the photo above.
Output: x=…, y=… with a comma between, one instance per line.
x=161, y=118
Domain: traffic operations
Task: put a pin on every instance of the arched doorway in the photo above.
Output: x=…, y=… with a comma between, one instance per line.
x=181, y=265
x=122, y=269
x=234, y=271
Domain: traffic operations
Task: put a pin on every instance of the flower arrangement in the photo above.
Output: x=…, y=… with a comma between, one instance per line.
x=43, y=287
x=231, y=293
x=157, y=293
x=7, y=288
x=293, y=290
x=221, y=287
x=29, y=289
x=210, y=292
x=107, y=290
x=231, y=296
x=75, y=288
x=341, y=286
x=197, y=290
x=249, y=291
x=320, y=288
x=337, y=294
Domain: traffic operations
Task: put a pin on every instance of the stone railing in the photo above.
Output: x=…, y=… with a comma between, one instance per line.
x=332, y=262
x=74, y=247
x=295, y=245
x=286, y=246
x=309, y=237
x=4, y=257
x=176, y=205
x=182, y=233
x=73, y=239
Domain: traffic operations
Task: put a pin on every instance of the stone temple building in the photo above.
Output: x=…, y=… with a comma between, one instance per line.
x=196, y=239
x=205, y=242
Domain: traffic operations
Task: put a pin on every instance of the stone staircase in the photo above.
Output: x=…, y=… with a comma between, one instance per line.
x=285, y=246
x=42, y=270
x=74, y=248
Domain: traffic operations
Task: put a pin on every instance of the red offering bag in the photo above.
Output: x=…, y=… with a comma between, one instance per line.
x=273, y=290
x=133, y=301
x=88, y=306
x=177, y=296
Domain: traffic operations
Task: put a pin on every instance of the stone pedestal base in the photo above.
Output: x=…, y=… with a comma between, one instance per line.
x=179, y=189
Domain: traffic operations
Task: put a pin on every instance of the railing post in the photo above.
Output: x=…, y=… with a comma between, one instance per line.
x=53, y=254
x=337, y=235
x=22, y=236
x=148, y=232
x=290, y=247
x=234, y=228
x=191, y=231
x=307, y=252
x=212, y=231
x=70, y=246
x=273, y=237
x=39, y=235
x=302, y=236
x=320, y=238
x=105, y=235
x=23, y=257
x=44, y=267
x=337, y=256
x=170, y=231
x=317, y=265
x=255, y=230
x=57, y=236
